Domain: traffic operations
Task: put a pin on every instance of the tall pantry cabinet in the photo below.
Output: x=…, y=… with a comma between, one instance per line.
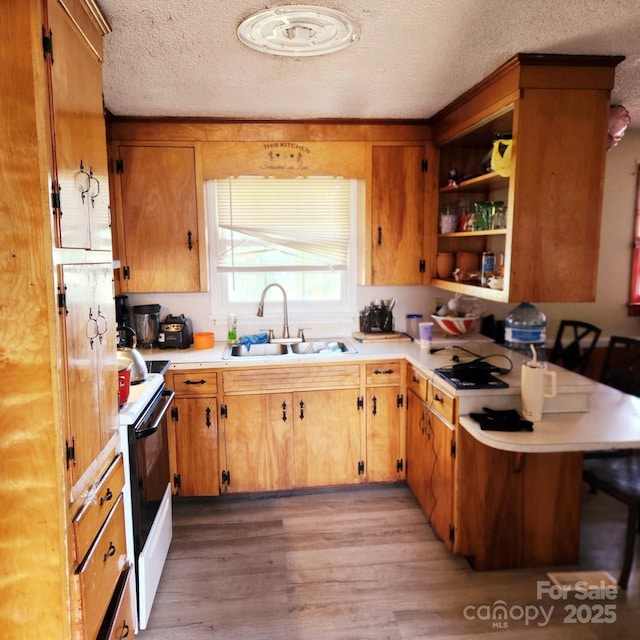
x=63, y=565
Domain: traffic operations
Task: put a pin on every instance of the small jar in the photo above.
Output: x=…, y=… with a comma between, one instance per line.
x=413, y=321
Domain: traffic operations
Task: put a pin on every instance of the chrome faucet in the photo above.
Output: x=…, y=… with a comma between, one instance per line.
x=285, y=326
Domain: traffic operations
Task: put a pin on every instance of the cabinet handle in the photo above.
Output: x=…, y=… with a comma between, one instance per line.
x=284, y=412
x=437, y=398
x=301, y=409
x=84, y=191
x=97, y=192
x=195, y=381
x=189, y=243
x=385, y=372
x=375, y=406
x=379, y=235
x=101, y=320
x=125, y=631
x=415, y=379
x=207, y=419
x=110, y=552
x=92, y=329
x=107, y=496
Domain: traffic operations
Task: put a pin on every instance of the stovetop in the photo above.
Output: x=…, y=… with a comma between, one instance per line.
x=139, y=397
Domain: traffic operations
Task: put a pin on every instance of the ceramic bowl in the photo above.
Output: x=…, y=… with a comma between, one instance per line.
x=455, y=326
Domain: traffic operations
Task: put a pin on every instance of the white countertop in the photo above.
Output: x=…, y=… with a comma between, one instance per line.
x=606, y=418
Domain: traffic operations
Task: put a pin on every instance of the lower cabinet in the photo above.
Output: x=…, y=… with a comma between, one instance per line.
x=256, y=443
x=431, y=454
x=102, y=568
x=193, y=434
x=385, y=416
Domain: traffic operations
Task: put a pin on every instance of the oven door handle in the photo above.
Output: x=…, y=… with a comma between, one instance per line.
x=167, y=398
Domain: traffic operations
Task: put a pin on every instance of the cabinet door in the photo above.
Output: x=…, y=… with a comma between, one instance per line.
x=326, y=437
x=79, y=154
x=257, y=442
x=88, y=331
x=430, y=465
x=383, y=434
x=159, y=220
x=397, y=189
x=196, y=441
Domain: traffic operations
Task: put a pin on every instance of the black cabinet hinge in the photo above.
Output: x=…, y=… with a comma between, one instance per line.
x=174, y=414
x=126, y=273
x=62, y=300
x=119, y=165
x=400, y=400
x=424, y=166
x=224, y=412
x=177, y=480
x=360, y=402
x=55, y=198
x=71, y=451
x=47, y=44
x=452, y=533
x=453, y=448
x=226, y=477
x=361, y=467
x=423, y=266
x=399, y=465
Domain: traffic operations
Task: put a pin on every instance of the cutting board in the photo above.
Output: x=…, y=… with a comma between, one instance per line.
x=394, y=336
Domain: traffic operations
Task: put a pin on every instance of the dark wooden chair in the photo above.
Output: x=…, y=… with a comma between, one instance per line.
x=617, y=473
x=574, y=345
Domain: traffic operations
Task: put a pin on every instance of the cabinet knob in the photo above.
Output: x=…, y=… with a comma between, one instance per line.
x=107, y=496
x=111, y=551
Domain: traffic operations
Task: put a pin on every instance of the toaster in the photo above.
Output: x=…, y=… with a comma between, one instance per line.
x=175, y=333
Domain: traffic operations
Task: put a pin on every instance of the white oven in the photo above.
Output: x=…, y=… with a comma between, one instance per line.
x=148, y=521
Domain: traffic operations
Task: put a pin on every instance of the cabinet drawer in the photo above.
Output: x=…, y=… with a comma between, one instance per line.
x=441, y=402
x=260, y=380
x=383, y=373
x=417, y=382
x=119, y=623
x=195, y=383
x=88, y=521
x=99, y=572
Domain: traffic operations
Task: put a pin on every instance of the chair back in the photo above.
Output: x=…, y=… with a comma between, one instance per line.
x=574, y=345
x=621, y=366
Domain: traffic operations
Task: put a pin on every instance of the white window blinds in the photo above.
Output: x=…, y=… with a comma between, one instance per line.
x=283, y=224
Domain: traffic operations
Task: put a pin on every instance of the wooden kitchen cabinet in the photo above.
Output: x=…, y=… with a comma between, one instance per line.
x=395, y=227
x=87, y=317
x=59, y=393
x=385, y=416
x=160, y=219
x=80, y=187
x=256, y=451
x=556, y=108
x=286, y=427
x=193, y=433
x=431, y=454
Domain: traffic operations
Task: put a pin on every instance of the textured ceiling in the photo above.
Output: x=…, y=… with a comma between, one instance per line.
x=183, y=58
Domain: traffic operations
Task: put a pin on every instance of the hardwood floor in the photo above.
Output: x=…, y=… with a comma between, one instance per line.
x=364, y=564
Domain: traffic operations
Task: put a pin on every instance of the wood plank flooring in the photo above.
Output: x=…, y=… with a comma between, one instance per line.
x=364, y=564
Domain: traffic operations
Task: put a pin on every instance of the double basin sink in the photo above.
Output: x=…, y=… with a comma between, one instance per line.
x=296, y=349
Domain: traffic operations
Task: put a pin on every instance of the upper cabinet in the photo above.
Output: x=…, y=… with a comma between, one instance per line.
x=397, y=205
x=161, y=232
x=555, y=111
x=79, y=190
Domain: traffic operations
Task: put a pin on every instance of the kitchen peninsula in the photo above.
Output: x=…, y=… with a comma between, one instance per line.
x=502, y=500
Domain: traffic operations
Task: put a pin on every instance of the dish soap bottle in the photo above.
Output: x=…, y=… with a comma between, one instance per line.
x=525, y=326
x=232, y=328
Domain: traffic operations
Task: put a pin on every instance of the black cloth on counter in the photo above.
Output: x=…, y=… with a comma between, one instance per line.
x=501, y=420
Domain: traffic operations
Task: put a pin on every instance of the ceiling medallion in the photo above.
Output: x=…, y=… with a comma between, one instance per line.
x=298, y=30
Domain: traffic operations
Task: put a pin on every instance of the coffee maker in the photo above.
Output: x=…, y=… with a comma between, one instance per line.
x=124, y=321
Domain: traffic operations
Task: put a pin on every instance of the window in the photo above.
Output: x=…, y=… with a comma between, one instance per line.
x=298, y=232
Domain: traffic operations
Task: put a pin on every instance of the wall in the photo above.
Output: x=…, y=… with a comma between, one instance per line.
x=608, y=311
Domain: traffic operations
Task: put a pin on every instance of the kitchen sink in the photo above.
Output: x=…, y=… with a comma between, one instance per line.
x=318, y=347
x=324, y=347
x=258, y=350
